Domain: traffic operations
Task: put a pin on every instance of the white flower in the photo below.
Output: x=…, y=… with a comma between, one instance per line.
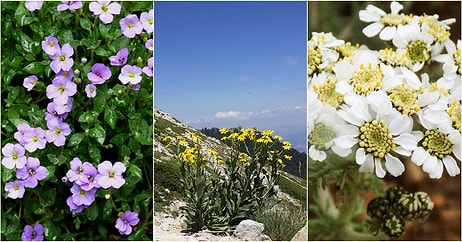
x=416, y=41
x=452, y=67
x=381, y=22
x=379, y=132
x=322, y=133
x=438, y=146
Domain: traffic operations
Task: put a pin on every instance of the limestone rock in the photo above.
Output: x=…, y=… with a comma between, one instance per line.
x=301, y=235
x=250, y=230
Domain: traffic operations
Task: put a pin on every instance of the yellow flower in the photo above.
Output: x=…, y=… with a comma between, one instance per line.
x=224, y=131
x=244, y=157
x=277, y=137
x=233, y=136
x=166, y=138
x=267, y=132
x=282, y=163
x=264, y=140
x=288, y=157
x=213, y=152
x=195, y=136
x=286, y=145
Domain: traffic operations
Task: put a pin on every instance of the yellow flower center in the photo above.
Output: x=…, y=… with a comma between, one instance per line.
x=62, y=58
x=320, y=136
x=455, y=114
x=375, y=138
x=131, y=25
x=395, y=19
x=111, y=174
x=83, y=192
x=16, y=187
x=61, y=89
x=57, y=131
x=31, y=171
x=367, y=79
x=15, y=156
x=418, y=51
x=437, y=143
x=327, y=94
x=150, y=21
x=131, y=74
x=104, y=8
x=404, y=99
x=35, y=138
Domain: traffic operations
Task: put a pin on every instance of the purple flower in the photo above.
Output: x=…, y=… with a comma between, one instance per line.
x=125, y=222
x=34, y=139
x=110, y=175
x=29, y=82
x=33, y=5
x=19, y=135
x=149, y=44
x=32, y=172
x=51, y=46
x=61, y=87
x=71, y=5
x=131, y=26
x=90, y=89
x=99, y=74
x=57, y=132
x=105, y=10
x=149, y=70
x=63, y=104
x=120, y=58
x=134, y=87
x=32, y=233
x=82, y=197
x=76, y=171
x=52, y=114
x=62, y=60
x=147, y=20
x=15, y=189
x=74, y=207
x=13, y=156
x=65, y=75
x=130, y=74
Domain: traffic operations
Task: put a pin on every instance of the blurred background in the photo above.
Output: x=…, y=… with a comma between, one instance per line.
x=342, y=19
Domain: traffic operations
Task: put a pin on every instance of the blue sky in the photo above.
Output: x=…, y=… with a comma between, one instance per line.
x=225, y=64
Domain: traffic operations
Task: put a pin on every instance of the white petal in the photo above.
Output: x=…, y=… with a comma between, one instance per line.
x=368, y=165
x=342, y=152
x=395, y=7
x=407, y=141
x=399, y=125
x=367, y=16
x=360, y=156
x=348, y=116
x=399, y=41
x=346, y=141
x=451, y=166
x=345, y=129
x=456, y=150
x=379, y=171
x=372, y=8
x=428, y=98
x=438, y=170
x=387, y=33
x=394, y=165
x=419, y=156
x=316, y=155
x=430, y=164
x=343, y=87
x=372, y=29
x=411, y=78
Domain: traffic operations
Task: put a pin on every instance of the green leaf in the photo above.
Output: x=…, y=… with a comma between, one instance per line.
x=110, y=117
x=91, y=43
x=53, y=159
x=26, y=42
x=102, y=231
x=99, y=102
x=65, y=36
x=85, y=24
x=50, y=231
x=9, y=76
x=13, y=93
x=46, y=196
x=134, y=145
x=98, y=133
x=94, y=153
x=20, y=14
x=135, y=170
x=124, y=151
x=107, y=210
x=87, y=117
x=102, y=52
x=119, y=139
x=91, y=212
x=16, y=61
x=34, y=68
x=75, y=139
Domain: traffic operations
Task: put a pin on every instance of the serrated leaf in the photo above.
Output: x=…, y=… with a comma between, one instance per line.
x=75, y=139
x=110, y=117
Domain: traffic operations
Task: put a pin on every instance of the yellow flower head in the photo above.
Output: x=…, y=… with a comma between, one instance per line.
x=267, y=132
x=224, y=131
x=286, y=145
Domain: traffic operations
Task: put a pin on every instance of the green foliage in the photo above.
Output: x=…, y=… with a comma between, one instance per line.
x=220, y=195
x=116, y=125
x=295, y=190
x=282, y=220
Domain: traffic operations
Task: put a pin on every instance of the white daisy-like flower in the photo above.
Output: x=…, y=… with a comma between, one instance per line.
x=439, y=30
x=437, y=148
x=379, y=135
x=452, y=67
x=381, y=22
x=446, y=112
x=416, y=41
x=323, y=131
x=323, y=85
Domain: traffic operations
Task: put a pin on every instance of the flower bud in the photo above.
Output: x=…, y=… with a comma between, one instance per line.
x=76, y=72
x=139, y=61
x=84, y=60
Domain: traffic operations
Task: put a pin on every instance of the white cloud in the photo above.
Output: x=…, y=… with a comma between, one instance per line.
x=291, y=61
x=233, y=115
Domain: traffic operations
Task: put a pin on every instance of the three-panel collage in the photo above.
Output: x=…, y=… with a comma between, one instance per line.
x=230, y=120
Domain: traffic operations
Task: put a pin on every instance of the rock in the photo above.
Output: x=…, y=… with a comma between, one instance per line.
x=250, y=230
x=301, y=235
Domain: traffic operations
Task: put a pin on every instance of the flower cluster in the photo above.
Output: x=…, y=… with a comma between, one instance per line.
x=131, y=25
x=87, y=179
x=380, y=105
